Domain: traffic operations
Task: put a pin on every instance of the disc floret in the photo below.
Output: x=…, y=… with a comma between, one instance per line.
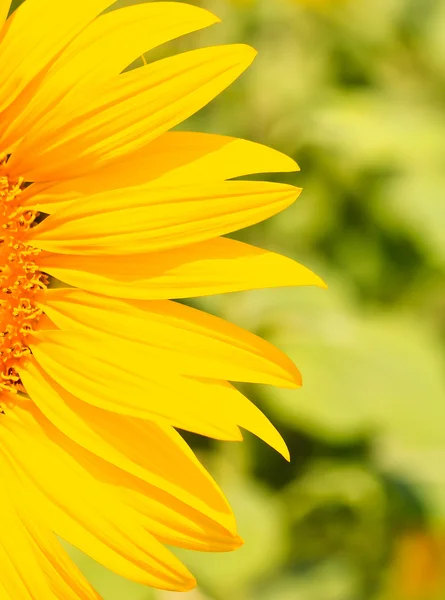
x=20, y=282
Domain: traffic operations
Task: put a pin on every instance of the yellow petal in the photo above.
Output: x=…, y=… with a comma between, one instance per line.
x=139, y=390
x=213, y=267
x=102, y=50
x=133, y=109
x=167, y=518
x=136, y=220
x=34, y=564
x=84, y=366
x=169, y=465
x=4, y=10
x=191, y=341
x=80, y=509
x=36, y=33
x=117, y=38
x=176, y=157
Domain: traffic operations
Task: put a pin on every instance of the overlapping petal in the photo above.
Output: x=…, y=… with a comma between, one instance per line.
x=34, y=565
x=155, y=454
x=28, y=49
x=69, y=495
x=212, y=267
x=4, y=9
x=102, y=50
x=132, y=110
x=190, y=341
x=148, y=390
x=176, y=157
x=137, y=220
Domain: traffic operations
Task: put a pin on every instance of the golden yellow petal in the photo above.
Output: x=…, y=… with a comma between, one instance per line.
x=169, y=465
x=168, y=519
x=36, y=33
x=136, y=220
x=103, y=50
x=212, y=267
x=176, y=157
x=84, y=365
x=4, y=9
x=147, y=391
x=133, y=109
x=79, y=508
x=34, y=565
x=191, y=341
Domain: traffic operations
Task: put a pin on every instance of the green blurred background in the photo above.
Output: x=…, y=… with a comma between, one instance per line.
x=355, y=92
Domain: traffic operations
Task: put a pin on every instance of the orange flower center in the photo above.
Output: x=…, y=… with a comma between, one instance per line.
x=20, y=282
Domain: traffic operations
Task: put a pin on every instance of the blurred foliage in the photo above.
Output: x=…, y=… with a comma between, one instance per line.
x=355, y=91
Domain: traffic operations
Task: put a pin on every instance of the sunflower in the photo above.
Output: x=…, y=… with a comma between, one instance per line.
x=99, y=372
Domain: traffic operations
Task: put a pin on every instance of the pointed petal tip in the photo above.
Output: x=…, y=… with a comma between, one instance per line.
x=298, y=274
x=187, y=585
x=207, y=17
x=229, y=544
x=270, y=435
x=201, y=15
x=295, y=380
x=321, y=283
x=246, y=53
x=289, y=376
x=216, y=19
x=291, y=191
x=316, y=281
x=290, y=166
x=277, y=443
x=297, y=377
x=183, y=580
x=283, y=450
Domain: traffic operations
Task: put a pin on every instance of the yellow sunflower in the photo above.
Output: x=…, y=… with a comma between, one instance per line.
x=96, y=375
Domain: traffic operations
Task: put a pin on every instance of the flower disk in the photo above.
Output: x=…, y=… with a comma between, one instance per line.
x=20, y=282
x=99, y=371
